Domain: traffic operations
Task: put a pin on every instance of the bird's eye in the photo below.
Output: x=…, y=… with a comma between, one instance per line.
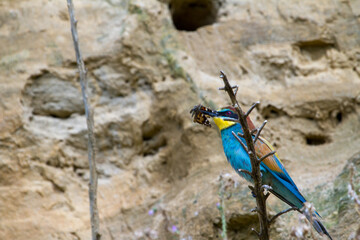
x=228, y=113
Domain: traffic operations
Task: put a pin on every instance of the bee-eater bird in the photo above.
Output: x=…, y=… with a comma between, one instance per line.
x=272, y=170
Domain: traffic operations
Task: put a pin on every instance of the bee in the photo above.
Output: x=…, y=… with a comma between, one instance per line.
x=199, y=116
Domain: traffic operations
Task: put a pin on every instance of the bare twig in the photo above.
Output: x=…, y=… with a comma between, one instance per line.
x=94, y=214
x=242, y=144
x=254, y=131
x=267, y=155
x=251, y=108
x=236, y=87
x=256, y=232
x=244, y=171
x=259, y=131
x=255, y=164
x=240, y=135
x=281, y=213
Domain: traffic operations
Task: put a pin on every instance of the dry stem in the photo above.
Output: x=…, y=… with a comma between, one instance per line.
x=281, y=213
x=94, y=214
x=354, y=196
x=255, y=163
x=351, y=190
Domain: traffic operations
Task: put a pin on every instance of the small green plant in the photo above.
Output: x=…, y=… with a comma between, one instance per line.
x=355, y=197
x=225, y=184
x=221, y=207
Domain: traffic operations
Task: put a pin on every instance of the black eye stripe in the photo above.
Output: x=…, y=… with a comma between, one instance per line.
x=229, y=114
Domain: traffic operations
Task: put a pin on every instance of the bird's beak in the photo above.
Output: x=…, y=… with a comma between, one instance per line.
x=210, y=113
x=216, y=114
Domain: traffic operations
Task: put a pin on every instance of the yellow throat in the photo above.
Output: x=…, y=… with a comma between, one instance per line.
x=222, y=124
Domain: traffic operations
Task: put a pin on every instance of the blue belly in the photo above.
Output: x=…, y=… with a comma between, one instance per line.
x=234, y=152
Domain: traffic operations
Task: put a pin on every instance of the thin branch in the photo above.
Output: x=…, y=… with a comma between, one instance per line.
x=255, y=164
x=281, y=213
x=244, y=171
x=251, y=108
x=94, y=214
x=267, y=155
x=236, y=90
x=239, y=140
x=259, y=131
x=256, y=232
x=234, y=87
x=240, y=135
x=229, y=90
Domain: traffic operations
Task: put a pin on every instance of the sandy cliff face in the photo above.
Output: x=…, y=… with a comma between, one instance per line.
x=159, y=172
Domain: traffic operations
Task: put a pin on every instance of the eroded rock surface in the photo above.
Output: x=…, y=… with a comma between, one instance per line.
x=159, y=171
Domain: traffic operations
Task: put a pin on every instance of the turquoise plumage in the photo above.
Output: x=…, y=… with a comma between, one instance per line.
x=273, y=171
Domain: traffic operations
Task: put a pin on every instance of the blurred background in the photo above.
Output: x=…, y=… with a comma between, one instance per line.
x=149, y=62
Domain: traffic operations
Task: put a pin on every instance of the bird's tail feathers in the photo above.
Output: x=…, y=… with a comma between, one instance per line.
x=319, y=227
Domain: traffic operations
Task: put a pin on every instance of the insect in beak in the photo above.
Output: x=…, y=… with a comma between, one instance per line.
x=200, y=115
